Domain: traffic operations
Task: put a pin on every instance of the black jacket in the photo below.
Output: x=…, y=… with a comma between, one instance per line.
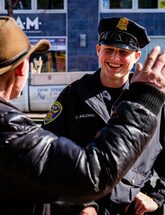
x=87, y=107
x=37, y=166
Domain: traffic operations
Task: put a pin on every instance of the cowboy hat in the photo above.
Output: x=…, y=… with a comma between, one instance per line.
x=15, y=45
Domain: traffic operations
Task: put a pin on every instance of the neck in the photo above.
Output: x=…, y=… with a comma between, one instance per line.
x=5, y=94
x=6, y=85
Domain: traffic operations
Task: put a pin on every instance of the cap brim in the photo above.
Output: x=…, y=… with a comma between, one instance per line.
x=41, y=46
x=119, y=45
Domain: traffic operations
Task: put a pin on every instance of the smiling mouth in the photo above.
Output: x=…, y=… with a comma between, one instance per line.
x=112, y=65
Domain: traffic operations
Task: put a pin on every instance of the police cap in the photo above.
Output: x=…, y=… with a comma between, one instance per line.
x=122, y=33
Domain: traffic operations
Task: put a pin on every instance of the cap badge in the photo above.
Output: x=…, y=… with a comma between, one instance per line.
x=122, y=24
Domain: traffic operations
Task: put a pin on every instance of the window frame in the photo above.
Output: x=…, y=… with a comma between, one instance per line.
x=54, y=47
x=155, y=40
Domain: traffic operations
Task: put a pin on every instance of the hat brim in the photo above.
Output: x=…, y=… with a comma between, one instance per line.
x=41, y=46
x=119, y=45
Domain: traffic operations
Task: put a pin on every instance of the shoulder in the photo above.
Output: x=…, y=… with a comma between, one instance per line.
x=86, y=80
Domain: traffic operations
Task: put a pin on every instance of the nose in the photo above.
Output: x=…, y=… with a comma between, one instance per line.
x=115, y=53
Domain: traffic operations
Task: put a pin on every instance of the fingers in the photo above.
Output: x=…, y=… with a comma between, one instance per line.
x=153, y=71
x=143, y=204
x=140, y=208
x=159, y=64
x=159, y=69
x=139, y=66
x=151, y=58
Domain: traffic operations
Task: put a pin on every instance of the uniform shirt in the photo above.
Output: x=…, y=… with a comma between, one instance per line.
x=82, y=107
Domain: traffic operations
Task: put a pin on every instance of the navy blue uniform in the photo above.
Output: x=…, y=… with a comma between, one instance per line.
x=86, y=106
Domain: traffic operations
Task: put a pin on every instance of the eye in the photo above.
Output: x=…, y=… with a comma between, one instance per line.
x=124, y=52
x=109, y=51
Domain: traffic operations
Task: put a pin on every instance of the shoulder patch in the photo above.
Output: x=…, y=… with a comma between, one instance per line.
x=53, y=113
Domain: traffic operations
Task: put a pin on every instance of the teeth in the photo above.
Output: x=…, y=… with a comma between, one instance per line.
x=114, y=65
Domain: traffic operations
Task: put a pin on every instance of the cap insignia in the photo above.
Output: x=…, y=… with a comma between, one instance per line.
x=122, y=24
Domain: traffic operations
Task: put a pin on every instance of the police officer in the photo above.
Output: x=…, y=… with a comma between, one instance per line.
x=87, y=104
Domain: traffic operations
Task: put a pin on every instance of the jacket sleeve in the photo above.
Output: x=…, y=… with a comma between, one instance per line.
x=158, y=192
x=35, y=164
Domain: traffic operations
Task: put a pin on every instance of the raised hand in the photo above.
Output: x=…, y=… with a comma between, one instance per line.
x=153, y=71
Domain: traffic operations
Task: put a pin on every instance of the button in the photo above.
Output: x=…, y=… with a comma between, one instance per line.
x=133, y=181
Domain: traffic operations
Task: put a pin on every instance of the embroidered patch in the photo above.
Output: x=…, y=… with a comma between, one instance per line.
x=53, y=113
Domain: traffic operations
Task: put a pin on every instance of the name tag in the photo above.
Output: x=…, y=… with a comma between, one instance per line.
x=86, y=115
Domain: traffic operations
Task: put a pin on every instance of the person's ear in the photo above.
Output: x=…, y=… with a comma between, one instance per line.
x=21, y=69
x=98, y=46
x=137, y=56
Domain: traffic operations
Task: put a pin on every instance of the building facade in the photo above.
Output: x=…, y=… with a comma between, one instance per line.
x=71, y=27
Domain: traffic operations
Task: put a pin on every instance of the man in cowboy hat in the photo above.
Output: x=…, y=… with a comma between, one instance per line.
x=30, y=156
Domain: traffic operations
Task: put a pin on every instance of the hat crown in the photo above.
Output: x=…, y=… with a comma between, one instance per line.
x=15, y=45
x=13, y=41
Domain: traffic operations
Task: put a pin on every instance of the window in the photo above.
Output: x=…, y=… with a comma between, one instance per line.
x=116, y=4
x=161, y=4
x=148, y=4
x=19, y=5
x=155, y=40
x=52, y=61
x=121, y=4
x=125, y=5
x=152, y=4
x=33, y=5
x=50, y=4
